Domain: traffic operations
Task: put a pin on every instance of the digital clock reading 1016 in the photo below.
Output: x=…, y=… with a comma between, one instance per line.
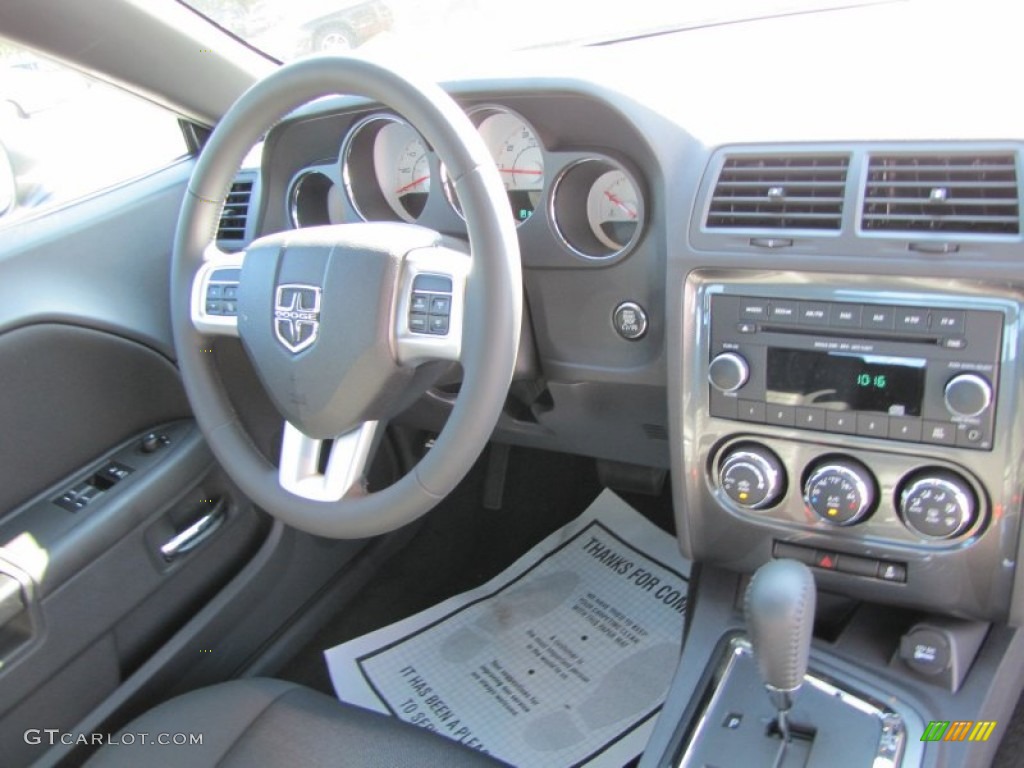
x=845, y=381
x=878, y=381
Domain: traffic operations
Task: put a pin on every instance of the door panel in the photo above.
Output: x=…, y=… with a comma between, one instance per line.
x=86, y=371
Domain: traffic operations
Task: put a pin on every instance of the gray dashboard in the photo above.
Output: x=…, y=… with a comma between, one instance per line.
x=850, y=231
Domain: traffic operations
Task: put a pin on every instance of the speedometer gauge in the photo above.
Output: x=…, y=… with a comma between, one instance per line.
x=402, y=168
x=517, y=155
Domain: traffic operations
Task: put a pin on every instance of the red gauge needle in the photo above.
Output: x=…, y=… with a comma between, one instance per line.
x=520, y=170
x=615, y=201
x=411, y=184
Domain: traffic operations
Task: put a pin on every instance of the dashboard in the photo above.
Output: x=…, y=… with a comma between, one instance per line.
x=804, y=302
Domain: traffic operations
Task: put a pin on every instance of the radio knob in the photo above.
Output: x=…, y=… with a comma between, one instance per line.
x=728, y=372
x=840, y=492
x=938, y=504
x=752, y=476
x=968, y=394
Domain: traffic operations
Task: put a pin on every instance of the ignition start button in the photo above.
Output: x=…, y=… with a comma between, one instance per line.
x=630, y=320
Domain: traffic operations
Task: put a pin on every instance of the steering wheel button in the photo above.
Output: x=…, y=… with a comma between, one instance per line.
x=440, y=305
x=420, y=303
x=214, y=292
x=231, y=291
x=417, y=323
x=438, y=325
x=230, y=307
x=215, y=307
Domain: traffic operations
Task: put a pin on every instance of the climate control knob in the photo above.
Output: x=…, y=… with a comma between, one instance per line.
x=728, y=371
x=752, y=476
x=938, y=504
x=968, y=394
x=840, y=491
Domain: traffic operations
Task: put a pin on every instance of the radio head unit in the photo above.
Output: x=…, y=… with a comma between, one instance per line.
x=890, y=371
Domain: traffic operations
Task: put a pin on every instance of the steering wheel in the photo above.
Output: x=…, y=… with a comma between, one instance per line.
x=324, y=314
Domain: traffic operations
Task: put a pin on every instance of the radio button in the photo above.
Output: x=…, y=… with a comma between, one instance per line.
x=971, y=437
x=905, y=428
x=954, y=342
x=841, y=421
x=813, y=313
x=728, y=372
x=784, y=312
x=810, y=418
x=780, y=415
x=939, y=433
x=749, y=410
x=967, y=394
x=948, y=321
x=753, y=309
x=845, y=315
x=746, y=328
x=913, y=320
x=871, y=425
x=879, y=318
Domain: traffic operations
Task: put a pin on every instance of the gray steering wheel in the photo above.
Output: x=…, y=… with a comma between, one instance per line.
x=324, y=314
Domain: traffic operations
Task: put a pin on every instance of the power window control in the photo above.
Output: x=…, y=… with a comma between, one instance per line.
x=154, y=441
x=70, y=502
x=112, y=473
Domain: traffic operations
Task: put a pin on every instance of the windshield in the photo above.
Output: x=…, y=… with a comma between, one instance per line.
x=430, y=29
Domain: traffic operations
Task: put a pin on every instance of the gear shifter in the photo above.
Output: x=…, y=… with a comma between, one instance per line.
x=779, y=608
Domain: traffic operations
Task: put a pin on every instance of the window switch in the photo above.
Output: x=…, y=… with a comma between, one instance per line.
x=111, y=474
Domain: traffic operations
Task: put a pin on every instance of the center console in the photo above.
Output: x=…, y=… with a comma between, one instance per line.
x=850, y=422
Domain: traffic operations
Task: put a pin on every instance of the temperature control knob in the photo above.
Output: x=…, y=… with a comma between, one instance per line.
x=728, y=372
x=752, y=476
x=938, y=504
x=840, y=491
x=968, y=394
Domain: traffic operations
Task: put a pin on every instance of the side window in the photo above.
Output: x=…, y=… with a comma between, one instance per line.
x=64, y=135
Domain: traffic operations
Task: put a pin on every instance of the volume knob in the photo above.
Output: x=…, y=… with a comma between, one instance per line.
x=968, y=394
x=728, y=372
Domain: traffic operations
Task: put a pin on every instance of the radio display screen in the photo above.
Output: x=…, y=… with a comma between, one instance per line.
x=845, y=381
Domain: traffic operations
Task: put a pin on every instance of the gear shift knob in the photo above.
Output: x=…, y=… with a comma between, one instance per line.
x=779, y=608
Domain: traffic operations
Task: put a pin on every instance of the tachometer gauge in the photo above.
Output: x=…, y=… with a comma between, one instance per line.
x=402, y=168
x=519, y=158
x=386, y=169
x=613, y=209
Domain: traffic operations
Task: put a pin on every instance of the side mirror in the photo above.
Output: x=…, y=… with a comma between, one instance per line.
x=8, y=184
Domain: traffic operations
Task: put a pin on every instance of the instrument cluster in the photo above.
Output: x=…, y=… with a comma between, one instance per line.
x=385, y=171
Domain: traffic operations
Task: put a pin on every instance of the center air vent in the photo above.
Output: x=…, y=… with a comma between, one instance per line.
x=236, y=210
x=966, y=193
x=779, y=192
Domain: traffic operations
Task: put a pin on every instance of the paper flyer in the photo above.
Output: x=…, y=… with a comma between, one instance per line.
x=563, y=659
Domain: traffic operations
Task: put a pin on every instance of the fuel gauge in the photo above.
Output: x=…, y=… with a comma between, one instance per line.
x=613, y=209
x=598, y=208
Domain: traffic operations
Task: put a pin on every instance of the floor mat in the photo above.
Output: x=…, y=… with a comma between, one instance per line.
x=562, y=659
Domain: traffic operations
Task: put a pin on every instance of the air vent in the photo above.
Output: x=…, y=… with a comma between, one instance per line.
x=780, y=192
x=947, y=193
x=232, y=219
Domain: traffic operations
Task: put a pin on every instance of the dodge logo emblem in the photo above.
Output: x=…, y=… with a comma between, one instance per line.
x=297, y=315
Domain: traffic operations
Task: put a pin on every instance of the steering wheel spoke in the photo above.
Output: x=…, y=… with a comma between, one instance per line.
x=215, y=293
x=431, y=305
x=325, y=470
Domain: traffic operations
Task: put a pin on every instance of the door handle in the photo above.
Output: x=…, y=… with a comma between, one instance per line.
x=202, y=529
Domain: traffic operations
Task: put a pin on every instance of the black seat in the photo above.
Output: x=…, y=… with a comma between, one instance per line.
x=261, y=722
